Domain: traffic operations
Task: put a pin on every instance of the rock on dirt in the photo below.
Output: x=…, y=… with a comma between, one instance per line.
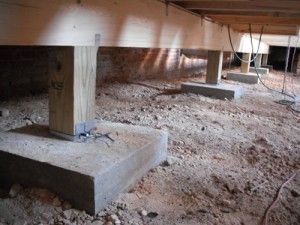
x=66, y=206
x=143, y=212
x=15, y=190
x=114, y=219
x=4, y=112
x=56, y=202
x=170, y=161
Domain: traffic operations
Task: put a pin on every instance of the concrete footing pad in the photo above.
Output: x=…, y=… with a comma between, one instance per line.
x=219, y=91
x=248, y=78
x=87, y=174
x=270, y=67
x=261, y=71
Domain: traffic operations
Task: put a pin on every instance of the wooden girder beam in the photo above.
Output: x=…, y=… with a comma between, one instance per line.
x=279, y=17
x=289, y=6
x=260, y=20
x=245, y=13
x=280, y=30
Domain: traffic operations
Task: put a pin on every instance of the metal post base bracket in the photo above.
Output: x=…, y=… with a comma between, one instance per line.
x=81, y=129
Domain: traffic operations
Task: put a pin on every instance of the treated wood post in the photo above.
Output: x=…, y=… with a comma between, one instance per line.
x=214, y=67
x=258, y=60
x=72, y=90
x=245, y=67
x=265, y=59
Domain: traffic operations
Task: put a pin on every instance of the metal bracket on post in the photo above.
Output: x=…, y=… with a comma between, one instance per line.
x=84, y=127
x=80, y=129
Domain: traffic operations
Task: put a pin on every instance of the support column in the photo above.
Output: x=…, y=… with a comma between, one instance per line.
x=213, y=88
x=72, y=90
x=265, y=58
x=258, y=60
x=214, y=67
x=245, y=67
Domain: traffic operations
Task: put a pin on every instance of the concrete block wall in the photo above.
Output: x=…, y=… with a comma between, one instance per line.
x=24, y=70
x=125, y=64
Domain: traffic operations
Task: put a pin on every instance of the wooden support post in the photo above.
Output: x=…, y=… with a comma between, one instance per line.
x=72, y=90
x=258, y=60
x=214, y=67
x=245, y=67
x=265, y=59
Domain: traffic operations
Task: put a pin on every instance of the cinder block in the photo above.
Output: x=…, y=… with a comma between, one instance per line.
x=219, y=91
x=88, y=174
x=248, y=78
x=261, y=71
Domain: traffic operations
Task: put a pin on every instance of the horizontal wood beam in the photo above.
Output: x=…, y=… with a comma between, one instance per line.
x=279, y=30
x=256, y=12
x=255, y=5
x=245, y=13
x=120, y=23
x=279, y=40
x=265, y=20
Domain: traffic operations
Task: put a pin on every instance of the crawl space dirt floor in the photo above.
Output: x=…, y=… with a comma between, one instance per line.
x=227, y=159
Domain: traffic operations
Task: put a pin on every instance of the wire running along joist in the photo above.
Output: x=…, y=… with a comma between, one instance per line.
x=288, y=103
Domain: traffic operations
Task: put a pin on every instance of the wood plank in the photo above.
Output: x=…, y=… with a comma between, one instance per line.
x=258, y=60
x=61, y=95
x=242, y=12
x=265, y=58
x=245, y=67
x=72, y=88
x=268, y=29
x=259, y=12
x=85, y=68
x=120, y=23
x=279, y=40
x=214, y=67
x=262, y=20
x=254, y=5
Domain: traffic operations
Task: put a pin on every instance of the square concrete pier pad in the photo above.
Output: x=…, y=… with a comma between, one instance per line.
x=270, y=67
x=261, y=71
x=219, y=91
x=248, y=78
x=87, y=174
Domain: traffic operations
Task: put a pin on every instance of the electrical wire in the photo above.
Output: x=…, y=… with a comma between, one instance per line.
x=290, y=104
x=292, y=107
x=235, y=53
x=266, y=214
x=255, y=67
